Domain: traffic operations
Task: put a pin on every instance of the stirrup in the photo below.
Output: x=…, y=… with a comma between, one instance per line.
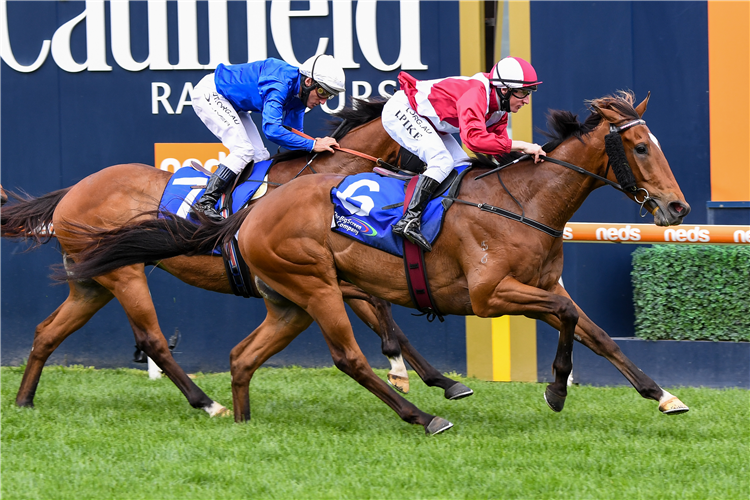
x=416, y=237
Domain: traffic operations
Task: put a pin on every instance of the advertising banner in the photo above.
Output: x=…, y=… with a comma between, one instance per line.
x=89, y=84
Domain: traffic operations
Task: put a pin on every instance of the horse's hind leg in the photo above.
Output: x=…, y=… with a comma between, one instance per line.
x=596, y=339
x=453, y=389
x=284, y=321
x=84, y=300
x=376, y=313
x=130, y=287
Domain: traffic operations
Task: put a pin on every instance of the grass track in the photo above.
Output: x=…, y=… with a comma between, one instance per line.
x=315, y=433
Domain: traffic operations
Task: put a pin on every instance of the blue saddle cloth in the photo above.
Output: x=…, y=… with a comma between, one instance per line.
x=365, y=206
x=187, y=185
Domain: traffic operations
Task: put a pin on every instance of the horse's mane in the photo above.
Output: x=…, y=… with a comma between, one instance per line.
x=562, y=125
x=360, y=111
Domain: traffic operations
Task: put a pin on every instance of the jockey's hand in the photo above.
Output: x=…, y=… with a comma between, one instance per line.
x=530, y=149
x=324, y=144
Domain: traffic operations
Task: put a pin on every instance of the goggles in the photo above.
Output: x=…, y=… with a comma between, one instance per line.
x=521, y=93
x=323, y=93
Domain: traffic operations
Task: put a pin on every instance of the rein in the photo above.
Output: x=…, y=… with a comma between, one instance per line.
x=378, y=161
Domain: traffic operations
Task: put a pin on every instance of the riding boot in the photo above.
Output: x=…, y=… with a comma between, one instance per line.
x=217, y=185
x=409, y=226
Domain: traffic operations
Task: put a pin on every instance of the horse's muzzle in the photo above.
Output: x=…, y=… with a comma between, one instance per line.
x=671, y=214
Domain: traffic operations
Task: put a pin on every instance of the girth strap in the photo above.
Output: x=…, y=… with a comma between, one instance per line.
x=416, y=272
x=239, y=275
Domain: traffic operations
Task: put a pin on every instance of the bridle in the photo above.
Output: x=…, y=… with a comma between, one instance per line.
x=617, y=161
x=620, y=166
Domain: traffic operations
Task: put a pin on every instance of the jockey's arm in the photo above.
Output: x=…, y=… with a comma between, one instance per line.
x=475, y=135
x=273, y=124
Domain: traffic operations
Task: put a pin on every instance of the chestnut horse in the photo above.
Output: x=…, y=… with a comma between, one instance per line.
x=115, y=195
x=482, y=263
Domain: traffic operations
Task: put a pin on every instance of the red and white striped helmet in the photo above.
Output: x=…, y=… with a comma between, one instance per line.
x=514, y=73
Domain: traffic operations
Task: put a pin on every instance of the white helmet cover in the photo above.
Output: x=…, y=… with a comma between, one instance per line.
x=514, y=73
x=326, y=72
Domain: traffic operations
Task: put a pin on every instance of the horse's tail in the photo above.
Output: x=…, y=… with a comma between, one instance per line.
x=144, y=242
x=30, y=218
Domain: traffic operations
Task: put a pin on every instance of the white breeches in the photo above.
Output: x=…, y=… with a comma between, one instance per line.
x=236, y=130
x=441, y=152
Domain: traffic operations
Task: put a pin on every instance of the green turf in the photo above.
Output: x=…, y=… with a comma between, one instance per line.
x=111, y=434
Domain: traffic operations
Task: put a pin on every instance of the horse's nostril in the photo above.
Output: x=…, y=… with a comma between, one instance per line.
x=680, y=209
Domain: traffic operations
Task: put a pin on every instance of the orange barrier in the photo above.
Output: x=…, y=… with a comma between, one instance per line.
x=593, y=232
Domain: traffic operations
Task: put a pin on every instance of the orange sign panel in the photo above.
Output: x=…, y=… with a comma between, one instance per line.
x=171, y=156
x=649, y=233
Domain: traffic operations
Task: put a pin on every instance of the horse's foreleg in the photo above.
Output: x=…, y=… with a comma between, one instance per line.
x=596, y=339
x=512, y=297
x=327, y=308
x=84, y=300
x=129, y=286
x=282, y=324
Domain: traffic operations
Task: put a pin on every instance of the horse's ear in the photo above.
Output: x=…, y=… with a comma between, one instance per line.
x=641, y=108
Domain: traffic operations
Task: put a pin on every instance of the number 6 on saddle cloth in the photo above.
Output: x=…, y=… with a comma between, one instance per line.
x=367, y=205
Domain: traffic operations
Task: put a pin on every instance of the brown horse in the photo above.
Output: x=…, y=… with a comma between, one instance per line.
x=482, y=264
x=113, y=196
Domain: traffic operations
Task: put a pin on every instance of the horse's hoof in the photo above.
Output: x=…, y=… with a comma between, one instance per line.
x=437, y=426
x=217, y=410
x=457, y=391
x=225, y=412
x=401, y=384
x=673, y=406
x=554, y=401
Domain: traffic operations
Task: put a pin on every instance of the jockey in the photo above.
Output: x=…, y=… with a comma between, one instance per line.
x=224, y=99
x=422, y=116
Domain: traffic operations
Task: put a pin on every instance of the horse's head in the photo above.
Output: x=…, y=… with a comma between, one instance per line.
x=637, y=159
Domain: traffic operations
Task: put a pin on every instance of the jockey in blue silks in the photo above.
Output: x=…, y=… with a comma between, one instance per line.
x=279, y=91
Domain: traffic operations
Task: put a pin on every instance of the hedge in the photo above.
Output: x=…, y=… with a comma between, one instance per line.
x=694, y=292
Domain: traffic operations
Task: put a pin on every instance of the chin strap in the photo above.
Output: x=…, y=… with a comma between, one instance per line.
x=304, y=90
x=504, y=100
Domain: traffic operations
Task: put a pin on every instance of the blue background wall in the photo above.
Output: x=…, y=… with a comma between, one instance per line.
x=586, y=50
x=59, y=127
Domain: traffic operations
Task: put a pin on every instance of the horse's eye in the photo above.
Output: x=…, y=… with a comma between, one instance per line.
x=641, y=149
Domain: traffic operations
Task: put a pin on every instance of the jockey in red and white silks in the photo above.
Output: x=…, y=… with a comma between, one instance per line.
x=423, y=114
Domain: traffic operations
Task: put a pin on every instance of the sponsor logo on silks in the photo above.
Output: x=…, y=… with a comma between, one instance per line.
x=354, y=225
x=366, y=230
